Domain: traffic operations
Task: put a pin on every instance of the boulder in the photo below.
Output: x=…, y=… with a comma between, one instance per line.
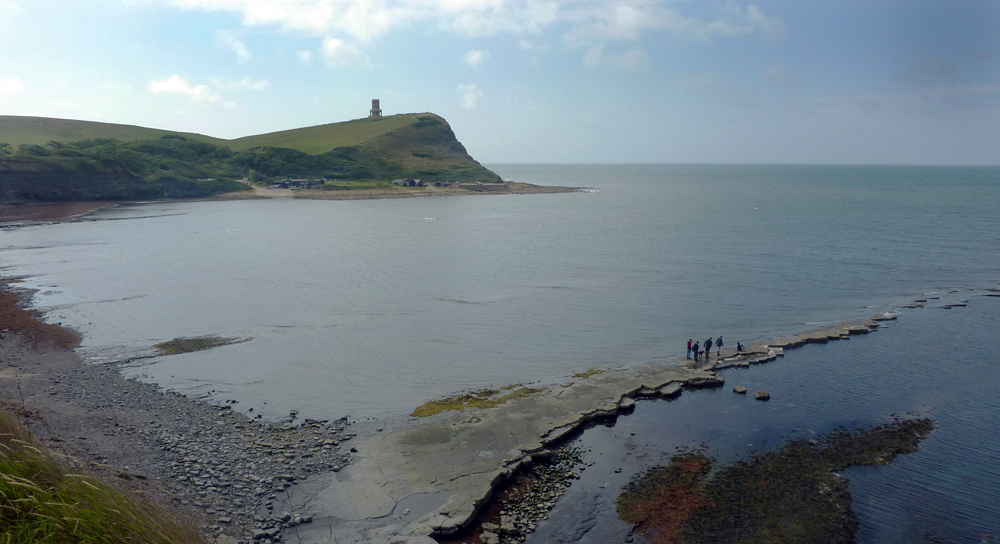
x=670, y=390
x=761, y=395
x=739, y=389
x=705, y=381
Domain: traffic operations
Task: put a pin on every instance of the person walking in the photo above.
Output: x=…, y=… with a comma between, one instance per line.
x=718, y=344
x=708, y=348
x=696, y=352
x=689, y=348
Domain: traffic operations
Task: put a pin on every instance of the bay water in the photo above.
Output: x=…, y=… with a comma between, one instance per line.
x=368, y=308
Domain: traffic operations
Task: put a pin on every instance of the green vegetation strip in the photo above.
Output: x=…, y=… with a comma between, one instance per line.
x=592, y=371
x=200, y=343
x=791, y=495
x=486, y=398
x=40, y=502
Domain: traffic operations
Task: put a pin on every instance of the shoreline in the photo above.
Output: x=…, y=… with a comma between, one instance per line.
x=207, y=463
x=428, y=477
x=22, y=214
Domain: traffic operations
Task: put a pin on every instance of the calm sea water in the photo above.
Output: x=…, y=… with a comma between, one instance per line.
x=369, y=308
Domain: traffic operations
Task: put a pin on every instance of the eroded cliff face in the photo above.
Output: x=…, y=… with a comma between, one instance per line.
x=70, y=178
x=429, y=149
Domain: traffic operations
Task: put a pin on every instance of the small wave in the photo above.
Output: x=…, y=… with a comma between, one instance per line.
x=455, y=300
x=590, y=190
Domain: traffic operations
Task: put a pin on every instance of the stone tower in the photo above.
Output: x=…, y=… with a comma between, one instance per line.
x=376, y=111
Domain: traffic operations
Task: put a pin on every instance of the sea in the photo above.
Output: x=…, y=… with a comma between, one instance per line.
x=368, y=308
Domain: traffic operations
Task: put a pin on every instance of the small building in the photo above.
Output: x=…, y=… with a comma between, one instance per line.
x=376, y=111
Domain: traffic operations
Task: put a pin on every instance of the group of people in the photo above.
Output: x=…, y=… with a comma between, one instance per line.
x=696, y=348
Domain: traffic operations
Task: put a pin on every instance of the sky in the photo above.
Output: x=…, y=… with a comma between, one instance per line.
x=534, y=81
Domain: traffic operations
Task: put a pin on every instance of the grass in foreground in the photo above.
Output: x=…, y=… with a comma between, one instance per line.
x=486, y=398
x=40, y=502
x=191, y=344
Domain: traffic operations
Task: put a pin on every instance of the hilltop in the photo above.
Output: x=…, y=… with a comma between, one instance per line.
x=60, y=159
x=17, y=131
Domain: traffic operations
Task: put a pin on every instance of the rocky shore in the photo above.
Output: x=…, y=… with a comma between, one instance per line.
x=211, y=463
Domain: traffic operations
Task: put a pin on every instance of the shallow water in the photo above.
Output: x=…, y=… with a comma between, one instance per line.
x=932, y=362
x=369, y=308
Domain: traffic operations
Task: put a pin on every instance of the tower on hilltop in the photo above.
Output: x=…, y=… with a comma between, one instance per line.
x=376, y=111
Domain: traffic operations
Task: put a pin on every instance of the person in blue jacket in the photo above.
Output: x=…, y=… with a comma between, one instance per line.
x=718, y=344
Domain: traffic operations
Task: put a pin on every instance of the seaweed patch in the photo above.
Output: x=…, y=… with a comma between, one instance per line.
x=790, y=495
x=191, y=344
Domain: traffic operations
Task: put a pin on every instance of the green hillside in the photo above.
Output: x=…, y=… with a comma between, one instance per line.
x=18, y=131
x=323, y=138
x=55, y=159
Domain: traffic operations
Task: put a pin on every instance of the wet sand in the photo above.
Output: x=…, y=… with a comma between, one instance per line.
x=27, y=213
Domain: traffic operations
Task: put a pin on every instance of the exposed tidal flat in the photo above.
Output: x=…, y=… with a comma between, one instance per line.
x=369, y=309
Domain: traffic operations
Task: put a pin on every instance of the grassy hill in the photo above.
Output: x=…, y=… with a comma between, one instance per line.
x=323, y=138
x=18, y=131
x=57, y=159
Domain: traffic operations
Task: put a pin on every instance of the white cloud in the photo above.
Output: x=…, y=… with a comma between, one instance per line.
x=245, y=84
x=229, y=39
x=11, y=86
x=471, y=95
x=778, y=75
x=176, y=85
x=601, y=21
x=9, y=8
x=632, y=60
x=718, y=90
x=589, y=22
x=337, y=52
x=475, y=58
x=305, y=56
x=365, y=20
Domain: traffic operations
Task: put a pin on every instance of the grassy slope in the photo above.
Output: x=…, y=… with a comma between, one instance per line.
x=42, y=130
x=312, y=140
x=323, y=138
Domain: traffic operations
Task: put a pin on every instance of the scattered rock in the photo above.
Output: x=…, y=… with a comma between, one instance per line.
x=739, y=389
x=761, y=395
x=705, y=381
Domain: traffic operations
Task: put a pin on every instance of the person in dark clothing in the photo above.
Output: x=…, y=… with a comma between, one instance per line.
x=695, y=352
x=718, y=344
x=708, y=348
